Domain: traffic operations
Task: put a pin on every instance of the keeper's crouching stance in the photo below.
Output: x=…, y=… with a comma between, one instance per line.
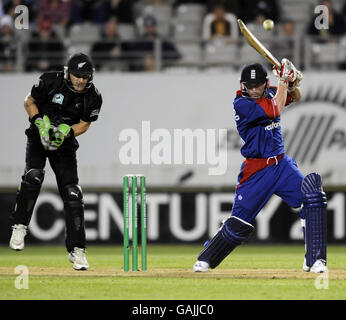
x=60, y=107
x=267, y=170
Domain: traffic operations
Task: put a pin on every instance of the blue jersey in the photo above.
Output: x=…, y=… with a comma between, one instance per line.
x=266, y=169
x=258, y=124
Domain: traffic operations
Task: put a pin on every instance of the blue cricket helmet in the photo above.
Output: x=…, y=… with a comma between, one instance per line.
x=253, y=73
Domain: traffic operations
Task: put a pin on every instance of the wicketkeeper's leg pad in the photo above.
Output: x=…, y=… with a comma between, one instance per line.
x=74, y=216
x=314, y=211
x=233, y=233
x=27, y=195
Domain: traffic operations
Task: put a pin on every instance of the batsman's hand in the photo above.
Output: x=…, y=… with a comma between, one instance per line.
x=288, y=72
x=43, y=125
x=58, y=135
x=295, y=84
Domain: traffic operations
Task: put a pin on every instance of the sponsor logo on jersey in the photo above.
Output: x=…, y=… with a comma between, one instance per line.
x=58, y=98
x=272, y=126
x=94, y=113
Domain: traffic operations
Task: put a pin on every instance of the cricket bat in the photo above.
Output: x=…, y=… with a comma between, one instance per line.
x=257, y=45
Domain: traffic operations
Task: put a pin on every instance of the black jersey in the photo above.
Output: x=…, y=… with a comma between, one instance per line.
x=54, y=99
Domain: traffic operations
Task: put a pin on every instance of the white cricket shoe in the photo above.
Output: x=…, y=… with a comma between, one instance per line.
x=201, y=266
x=77, y=257
x=305, y=267
x=318, y=267
x=18, y=235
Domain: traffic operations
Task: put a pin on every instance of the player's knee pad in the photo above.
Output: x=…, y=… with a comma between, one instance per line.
x=314, y=212
x=233, y=232
x=313, y=195
x=27, y=194
x=31, y=185
x=34, y=177
x=72, y=194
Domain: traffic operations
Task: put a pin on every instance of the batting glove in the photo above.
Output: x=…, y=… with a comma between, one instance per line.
x=296, y=84
x=287, y=73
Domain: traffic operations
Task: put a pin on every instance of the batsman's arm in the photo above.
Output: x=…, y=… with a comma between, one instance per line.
x=281, y=96
x=289, y=81
x=294, y=87
x=296, y=94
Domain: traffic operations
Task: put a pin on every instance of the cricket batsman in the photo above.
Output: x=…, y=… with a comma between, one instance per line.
x=267, y=170
x=60, y=107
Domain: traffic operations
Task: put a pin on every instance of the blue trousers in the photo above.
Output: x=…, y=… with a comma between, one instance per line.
x=283, y=179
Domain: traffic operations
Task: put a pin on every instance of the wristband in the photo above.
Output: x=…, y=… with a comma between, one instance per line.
x=283, y=81
x=37, y=115
x=71, y=133
x=291, y=89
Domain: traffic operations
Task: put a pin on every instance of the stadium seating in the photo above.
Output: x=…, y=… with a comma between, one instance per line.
x=126, y=31
x=218, y=52
x=85, y=32
x=162, y=13
x=191, y=52
x=296, y=10
x=326, y=53
x=190, y=13
x=185, y=31
x=187, y=25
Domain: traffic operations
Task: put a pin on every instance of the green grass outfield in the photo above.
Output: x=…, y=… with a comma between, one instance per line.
x=250, y=272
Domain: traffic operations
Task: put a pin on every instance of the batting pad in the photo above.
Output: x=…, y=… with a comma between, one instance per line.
x=233, y=233
x=315, y=203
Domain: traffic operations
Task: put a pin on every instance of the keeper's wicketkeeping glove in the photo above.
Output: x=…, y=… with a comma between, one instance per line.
x=59, y=134
x=43, y=125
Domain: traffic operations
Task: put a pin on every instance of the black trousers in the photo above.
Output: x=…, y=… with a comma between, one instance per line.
x=63, y=162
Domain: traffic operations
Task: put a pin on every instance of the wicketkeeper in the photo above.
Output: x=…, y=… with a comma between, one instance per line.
x=267, y=170
x=60, y=108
